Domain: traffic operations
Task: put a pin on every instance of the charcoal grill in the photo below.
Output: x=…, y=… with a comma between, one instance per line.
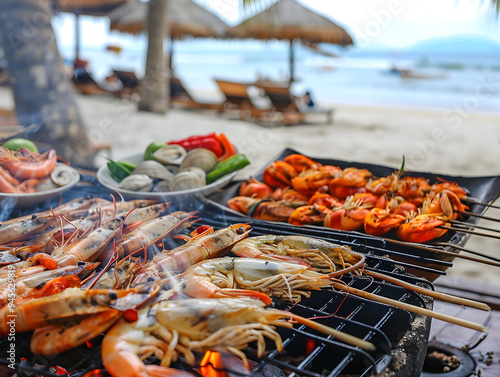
x=400, y=336
x=482, y=190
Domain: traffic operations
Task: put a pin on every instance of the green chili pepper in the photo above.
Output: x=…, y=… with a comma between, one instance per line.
x=229, y=165
x=152, y=148
x=119, y=169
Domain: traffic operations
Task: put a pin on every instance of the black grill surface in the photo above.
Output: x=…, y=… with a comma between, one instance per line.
x=398, y=334
x=482, y=189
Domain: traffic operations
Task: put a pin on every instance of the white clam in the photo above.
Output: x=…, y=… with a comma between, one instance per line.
x=162, y=186
x=62, y=175
x=201, y=158
x=170, y=154
x=136, y=182
x=46, y=184
x=188, y=179
x=153, y=169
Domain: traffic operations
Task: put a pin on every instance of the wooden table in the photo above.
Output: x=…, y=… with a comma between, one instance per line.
x=8, y=117
x=487, y=364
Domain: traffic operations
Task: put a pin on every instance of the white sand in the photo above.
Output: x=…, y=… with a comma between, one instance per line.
x=446, y=141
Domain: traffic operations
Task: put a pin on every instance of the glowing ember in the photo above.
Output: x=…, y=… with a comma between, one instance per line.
x=211, y=365
x=310, y=345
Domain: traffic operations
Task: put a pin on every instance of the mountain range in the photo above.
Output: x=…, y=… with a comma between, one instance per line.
x=457, y=44
x=464, y=44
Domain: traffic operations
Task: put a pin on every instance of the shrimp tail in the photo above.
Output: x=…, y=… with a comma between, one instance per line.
x=159, y=371
x=243, y=293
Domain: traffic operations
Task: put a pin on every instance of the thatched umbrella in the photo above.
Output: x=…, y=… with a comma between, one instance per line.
x=88, y=8
x=186, y=18
x=289, y=20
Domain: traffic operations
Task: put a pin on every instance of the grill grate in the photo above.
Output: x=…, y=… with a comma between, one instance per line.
x=215, y=214
x=391, y=329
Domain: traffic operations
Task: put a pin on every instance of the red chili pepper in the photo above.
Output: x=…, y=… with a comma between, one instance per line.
x=229, y=149
x=194, y=137
x=210, y=141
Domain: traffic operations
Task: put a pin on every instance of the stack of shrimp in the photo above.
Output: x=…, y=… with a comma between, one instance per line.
x=183, y=301
x=302, y=191
x=49, y=284
x=22, y=170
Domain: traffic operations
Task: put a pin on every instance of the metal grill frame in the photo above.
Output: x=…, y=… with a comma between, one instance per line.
x=81, y=359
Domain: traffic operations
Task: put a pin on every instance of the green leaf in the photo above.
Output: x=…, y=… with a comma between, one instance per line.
x=401, y=169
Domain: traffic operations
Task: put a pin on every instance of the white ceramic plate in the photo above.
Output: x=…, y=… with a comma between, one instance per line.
x=104, y=177
x=27, y=200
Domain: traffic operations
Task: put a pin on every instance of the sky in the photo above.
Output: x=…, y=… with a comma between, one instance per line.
x=373, y=23
x=391, y=22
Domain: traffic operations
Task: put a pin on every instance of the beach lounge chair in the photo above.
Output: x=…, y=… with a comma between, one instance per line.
x=283, y=101
x=129, y=82
x=87, y=85
x=128, y=79
x=180, y=97
x=239, y=100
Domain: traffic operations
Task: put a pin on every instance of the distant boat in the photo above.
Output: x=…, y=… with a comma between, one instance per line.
x=422, y=75
x=326, y=68
x=113, y=48
x=406, y=73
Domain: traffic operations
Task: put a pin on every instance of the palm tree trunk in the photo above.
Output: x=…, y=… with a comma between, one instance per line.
x=154, y=85
x=42, y=93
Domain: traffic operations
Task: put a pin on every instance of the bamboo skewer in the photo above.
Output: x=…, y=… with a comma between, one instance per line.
x=342, y=336
x=477, y=215
x=467, y=250
x=411, y=308
x=479, y=203
x=429, y=292
x=469, y=232
x=444, y=252
x=462, y=224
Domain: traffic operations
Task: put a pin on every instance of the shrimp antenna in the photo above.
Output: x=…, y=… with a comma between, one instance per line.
x=401, y=169
x=115, y=258
x=121, y=196
x=123, y=223
x=61, y=221
x=84, y=281
x=99, y=216
x=63, y=160
x=60, y=218
x=114, y=203
x=143, y=248
x=355, y=267
x=112, y=260
x=338, y=307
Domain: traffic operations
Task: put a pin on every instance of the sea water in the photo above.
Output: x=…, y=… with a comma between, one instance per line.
x=458, y=82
